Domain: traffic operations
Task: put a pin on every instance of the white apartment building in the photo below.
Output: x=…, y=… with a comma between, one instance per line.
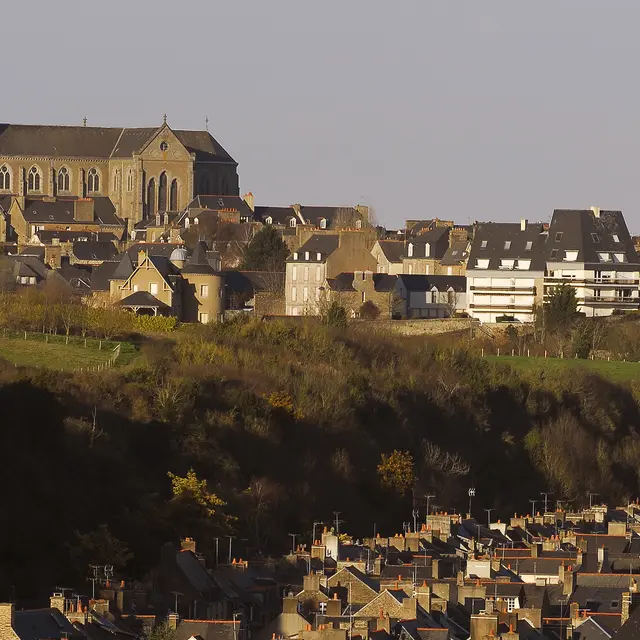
x=592, y=250
x=505, y=271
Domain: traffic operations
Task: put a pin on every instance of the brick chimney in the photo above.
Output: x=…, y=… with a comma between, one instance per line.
x=188, y=544
x=83, y=210
x=172, y=621
x=249, y=199
x=7, y=619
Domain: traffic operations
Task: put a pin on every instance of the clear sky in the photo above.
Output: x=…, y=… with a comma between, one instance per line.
x=465, y=110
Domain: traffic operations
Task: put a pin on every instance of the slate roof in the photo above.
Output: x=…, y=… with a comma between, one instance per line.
x=207, y=630
x=599, y=599
x=344, y=282
x=415, y=282
x=393, y=250
x=35, y=624
x=94, y=250
x=590, y=629
x=198, y=262
x=142, y=299
x=98, y=142
x=101, y=275
x=456, y=254
x=47, y=236
x=219, y=203
x=582, y=230
x=252, y=281
x=437, y=238
x=630, y=630
x=123, y=269
x=314, y=214
x=79, y=279
x=153, y=249
x=324, y=244
x=191, y=567
x=497, y=234
x=279, y=215
x=61, y=210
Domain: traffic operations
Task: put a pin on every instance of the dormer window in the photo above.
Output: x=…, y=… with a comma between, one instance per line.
x=554, y=254
x=358, y=224
x=410, y=250
x=323, y=223
x=268, y=220
x=295, y=256
x=507, y=245
x=524, y=264
x=528, y=246
x=620, y=257
x=483, y=244
x=292, y=222
x=482, y=263
x=570, y=256
x=615, y=237
x=195, y=221
x=427, y=250
x=506, y=263
x=318, y=257
x=558, y=236
x=604, y=257
x=595, y=237
x=306, y=255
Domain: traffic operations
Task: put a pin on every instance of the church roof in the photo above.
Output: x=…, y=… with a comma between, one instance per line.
x=98, y=142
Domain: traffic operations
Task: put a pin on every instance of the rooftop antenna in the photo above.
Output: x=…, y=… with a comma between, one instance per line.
x=472, y=493
x=164, y=119
x=84, y=121
x=175, y=595
x=546, y=495
x=489, y=517
x=338, y=521
x=591, y=494
x=428, y=497
x=293, y=542
x=533, y=507
x=206, y=123
x=415, y=513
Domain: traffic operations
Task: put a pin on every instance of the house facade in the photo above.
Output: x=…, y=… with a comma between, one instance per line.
x=430, y=296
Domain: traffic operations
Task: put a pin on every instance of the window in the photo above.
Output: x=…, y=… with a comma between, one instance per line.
x=615, y=237
x=204, y=290
x=204, y=318
x=151, y=197
x=434, y=297
x=620, y=257
x=64, y=181
x=34, y=179
x=604, y=257
x=570, y=256
x=292, y=222
x=323, y=223
x=595, y=237
x=527, y=247
x=162, y=192
x=615, y=603
x=306, y=274
x=116, y=180
x=449, y=271
x=305, y=294
x=294, y=272
x=507, y=263
x=173, y=196
x=358, y=224
x=153, y=288
x=427, y=250
x=410, y=250
x=130, y=181
x=164, y=145
x=93, y=181
x=294, y=294
x=306, y=255
x=5, y=178
x=410, y=269
x=483, y=244
x=318, y=273
x=322, y=608
x=318, y=257
x=135, y=288
x=507, y=244
x=554, y=254
x=524, y=264
x=558, y=236
x=482, y=263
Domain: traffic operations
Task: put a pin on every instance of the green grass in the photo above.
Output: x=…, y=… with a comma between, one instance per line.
x=55, y=354
x=614, y=370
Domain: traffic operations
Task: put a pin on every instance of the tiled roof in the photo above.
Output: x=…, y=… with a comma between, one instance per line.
x=324, y=244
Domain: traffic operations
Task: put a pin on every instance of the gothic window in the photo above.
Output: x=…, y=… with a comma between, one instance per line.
x=116, y=180
x=34, y=179
x=93, y=181
x=151, y=197
x=130, y=181
x=173, y=196
x=5, y=178
x=162, y=192
x=64, y=181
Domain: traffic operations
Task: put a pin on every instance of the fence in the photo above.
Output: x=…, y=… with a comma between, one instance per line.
x=543, y=354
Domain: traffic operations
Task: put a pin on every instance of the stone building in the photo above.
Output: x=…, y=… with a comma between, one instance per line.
x=142, y=171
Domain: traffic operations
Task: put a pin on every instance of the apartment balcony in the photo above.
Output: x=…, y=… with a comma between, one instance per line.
x=610, y=301
x=617, y=282
x=528, y=291
x=501, y=307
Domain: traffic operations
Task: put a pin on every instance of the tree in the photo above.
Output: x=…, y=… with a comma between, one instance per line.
x=99, y=547
x=396, y=471
x=560, y=308
x=162, y=631
x=265, y=252
x=369, y=311
x=335, y=316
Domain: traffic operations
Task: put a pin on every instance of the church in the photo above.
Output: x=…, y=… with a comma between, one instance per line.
x=142, y=172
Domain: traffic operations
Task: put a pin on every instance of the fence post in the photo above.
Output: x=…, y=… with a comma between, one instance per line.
x=482, y=352
x=513, y=352
x=85, y=343
x=498, y=350
x=100, y=346
x=528, y=353
x=25, y=335
x=545, y=353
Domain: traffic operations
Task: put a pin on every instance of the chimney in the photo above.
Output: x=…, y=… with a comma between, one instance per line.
x=188, y=544
x=311, y=583
x=142, y=254
x=249, y=199
x=523, y=224
x=602, y=558
x=172, y=621
x=334, y=607
x=83, y=210
x=626, y=607
x=368, y=276
x=56, y=601
x=569, y=582
x=157, y=219
x=596, y=211
x=7, y=618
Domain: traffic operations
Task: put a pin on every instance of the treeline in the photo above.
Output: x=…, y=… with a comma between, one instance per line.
x=259, y=429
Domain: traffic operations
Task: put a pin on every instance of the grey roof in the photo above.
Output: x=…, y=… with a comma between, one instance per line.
x=193, y=570
x=324, y=244
x=123, y=269
x=344, y=282
x=589, y=234
x=98, y=142
x=47, y=236
x=630, y=630
x=207, y=630
x=314, y=214
x=590, y=629
x=220, y=203
x=153, y=249
x=456, y=254
x=415, y=282
x=142, y=299
x=61, y=210
x=393, y=250
x=5, y=202
x=496, y=235
x=29, y=266
x=278, y=215
x=252, y=281
x=94, y=250
x=36, y=624
x=101, y=275
x=198, y=262
x=600, y=599
x=437, y=238
x=79, y=279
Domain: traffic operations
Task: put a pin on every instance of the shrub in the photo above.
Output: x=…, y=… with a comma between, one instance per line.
x=155, y=324
x=369, y=311
x=336, y=316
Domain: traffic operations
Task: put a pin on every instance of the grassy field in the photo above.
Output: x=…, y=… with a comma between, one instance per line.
x=614, y=370
x=55, y=354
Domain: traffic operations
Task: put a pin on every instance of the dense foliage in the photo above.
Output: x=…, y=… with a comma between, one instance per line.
x=265, y=252
x=259, y=429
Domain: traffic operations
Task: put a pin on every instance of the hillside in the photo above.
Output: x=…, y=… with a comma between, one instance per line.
x=283, y=424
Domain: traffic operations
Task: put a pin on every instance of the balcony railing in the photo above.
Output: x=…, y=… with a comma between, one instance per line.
x=490, y=288
x=499, y=307
x=611, y=300
x=548, y=280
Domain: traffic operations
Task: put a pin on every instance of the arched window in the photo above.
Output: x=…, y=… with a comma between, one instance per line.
x=323, y=223
x=410, y=250
x=116, y=180
x=205, y=184
x=34, y=179
x=130, y=181
x=292, y=222
x=151, y=197
x=268, y=220
x=5, y=178
x=358, y=224
x=162, y=192
x=64, y=181
x=93, y=181
x=173, y=196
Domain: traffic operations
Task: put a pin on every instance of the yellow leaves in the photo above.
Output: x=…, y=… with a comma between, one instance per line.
x=191, y=488
x=396, y=471
x=281, y=400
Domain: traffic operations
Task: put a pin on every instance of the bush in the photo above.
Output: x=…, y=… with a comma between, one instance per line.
x=336, y=316
x=369, y=311
x=155, y=324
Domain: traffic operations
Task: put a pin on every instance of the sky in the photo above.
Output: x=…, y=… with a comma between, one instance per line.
x=458, y=109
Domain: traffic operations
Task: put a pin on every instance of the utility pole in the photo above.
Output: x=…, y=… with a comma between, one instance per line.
x=217, y=551
x=546, y=495
x=337, y=521
x=489, y=517
x=293, y=542
x=428, y=500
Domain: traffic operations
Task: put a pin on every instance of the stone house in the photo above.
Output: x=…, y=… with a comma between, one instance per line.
x=388, y=255
x=320, y=258
x=424, y=253
x=352, y=290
